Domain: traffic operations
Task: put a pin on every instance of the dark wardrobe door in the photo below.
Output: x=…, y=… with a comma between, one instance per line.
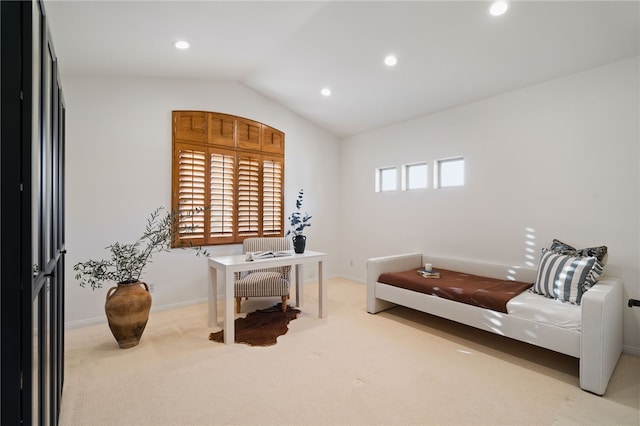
x=32, y=219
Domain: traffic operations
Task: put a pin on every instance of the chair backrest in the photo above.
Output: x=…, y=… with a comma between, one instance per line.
x=269, y=244
x=266, y=244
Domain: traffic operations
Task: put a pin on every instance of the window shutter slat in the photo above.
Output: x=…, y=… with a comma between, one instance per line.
x=222, y=198
x=248, y=195
x=191, y=194
x=272, y=204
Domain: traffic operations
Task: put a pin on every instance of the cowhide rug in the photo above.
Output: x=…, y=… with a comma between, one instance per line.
x=262, y=327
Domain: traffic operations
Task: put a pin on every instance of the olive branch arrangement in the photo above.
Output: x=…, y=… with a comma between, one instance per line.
x=127, y=261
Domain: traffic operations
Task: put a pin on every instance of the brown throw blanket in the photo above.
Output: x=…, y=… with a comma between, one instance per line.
x=474, y=290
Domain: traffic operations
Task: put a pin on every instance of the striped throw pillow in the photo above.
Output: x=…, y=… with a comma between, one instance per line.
x=599, y=252
x=566, y=277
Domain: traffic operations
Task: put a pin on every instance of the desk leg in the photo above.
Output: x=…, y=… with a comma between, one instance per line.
x=299, y=286
x=229, y=309
x=322, y=290
x=213, y=297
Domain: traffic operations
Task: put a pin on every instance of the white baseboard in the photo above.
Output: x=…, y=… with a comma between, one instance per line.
x=154, y=308
x=157, y=308
x=85, y=322
x=631, y=350
x=178, y=305
x=353, y=278
x=627, y=349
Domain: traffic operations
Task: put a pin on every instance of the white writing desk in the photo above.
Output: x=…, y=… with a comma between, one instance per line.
x=222, y=269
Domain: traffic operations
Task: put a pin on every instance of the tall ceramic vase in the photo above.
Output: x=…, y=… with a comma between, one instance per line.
x=299, y=243
x=127, y=308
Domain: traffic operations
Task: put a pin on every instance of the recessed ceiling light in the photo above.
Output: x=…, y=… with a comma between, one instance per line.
x=181, y=44
x=326, y=91
x=498, y=7
x=390, y=60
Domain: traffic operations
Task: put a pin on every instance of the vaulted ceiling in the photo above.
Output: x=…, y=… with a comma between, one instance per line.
x=449, y=52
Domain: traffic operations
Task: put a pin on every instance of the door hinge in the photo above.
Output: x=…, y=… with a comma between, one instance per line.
x=21, y=95
x=21, y=381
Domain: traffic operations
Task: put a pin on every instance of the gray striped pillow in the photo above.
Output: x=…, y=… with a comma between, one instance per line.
x=566, y=277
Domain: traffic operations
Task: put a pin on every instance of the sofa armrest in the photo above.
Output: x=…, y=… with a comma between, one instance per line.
x=601, y=334
x=378, y=265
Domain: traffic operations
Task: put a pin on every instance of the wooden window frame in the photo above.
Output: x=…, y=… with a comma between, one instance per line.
x=236, y=189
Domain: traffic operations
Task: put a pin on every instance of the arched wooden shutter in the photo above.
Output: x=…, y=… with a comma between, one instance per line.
x=227, y=178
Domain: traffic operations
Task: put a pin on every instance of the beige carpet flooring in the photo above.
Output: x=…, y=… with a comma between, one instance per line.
x=351, y=368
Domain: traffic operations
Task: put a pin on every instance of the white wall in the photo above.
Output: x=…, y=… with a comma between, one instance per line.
x=555, y=160
x=118, y=157
x=559, y=158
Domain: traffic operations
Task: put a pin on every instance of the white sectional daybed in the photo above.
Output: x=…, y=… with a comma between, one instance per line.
x=591, y=331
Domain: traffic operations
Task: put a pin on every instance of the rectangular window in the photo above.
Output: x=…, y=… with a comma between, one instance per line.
x=220, y=192
x=386, y=179
x=449, y=172
x=415, y=176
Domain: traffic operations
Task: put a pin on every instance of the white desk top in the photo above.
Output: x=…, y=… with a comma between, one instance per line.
x=238, y=262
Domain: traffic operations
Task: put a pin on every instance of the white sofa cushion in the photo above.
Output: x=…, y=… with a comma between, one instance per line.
x=534, y=307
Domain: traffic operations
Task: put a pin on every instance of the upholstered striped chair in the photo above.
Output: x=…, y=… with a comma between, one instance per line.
x=266, y=282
